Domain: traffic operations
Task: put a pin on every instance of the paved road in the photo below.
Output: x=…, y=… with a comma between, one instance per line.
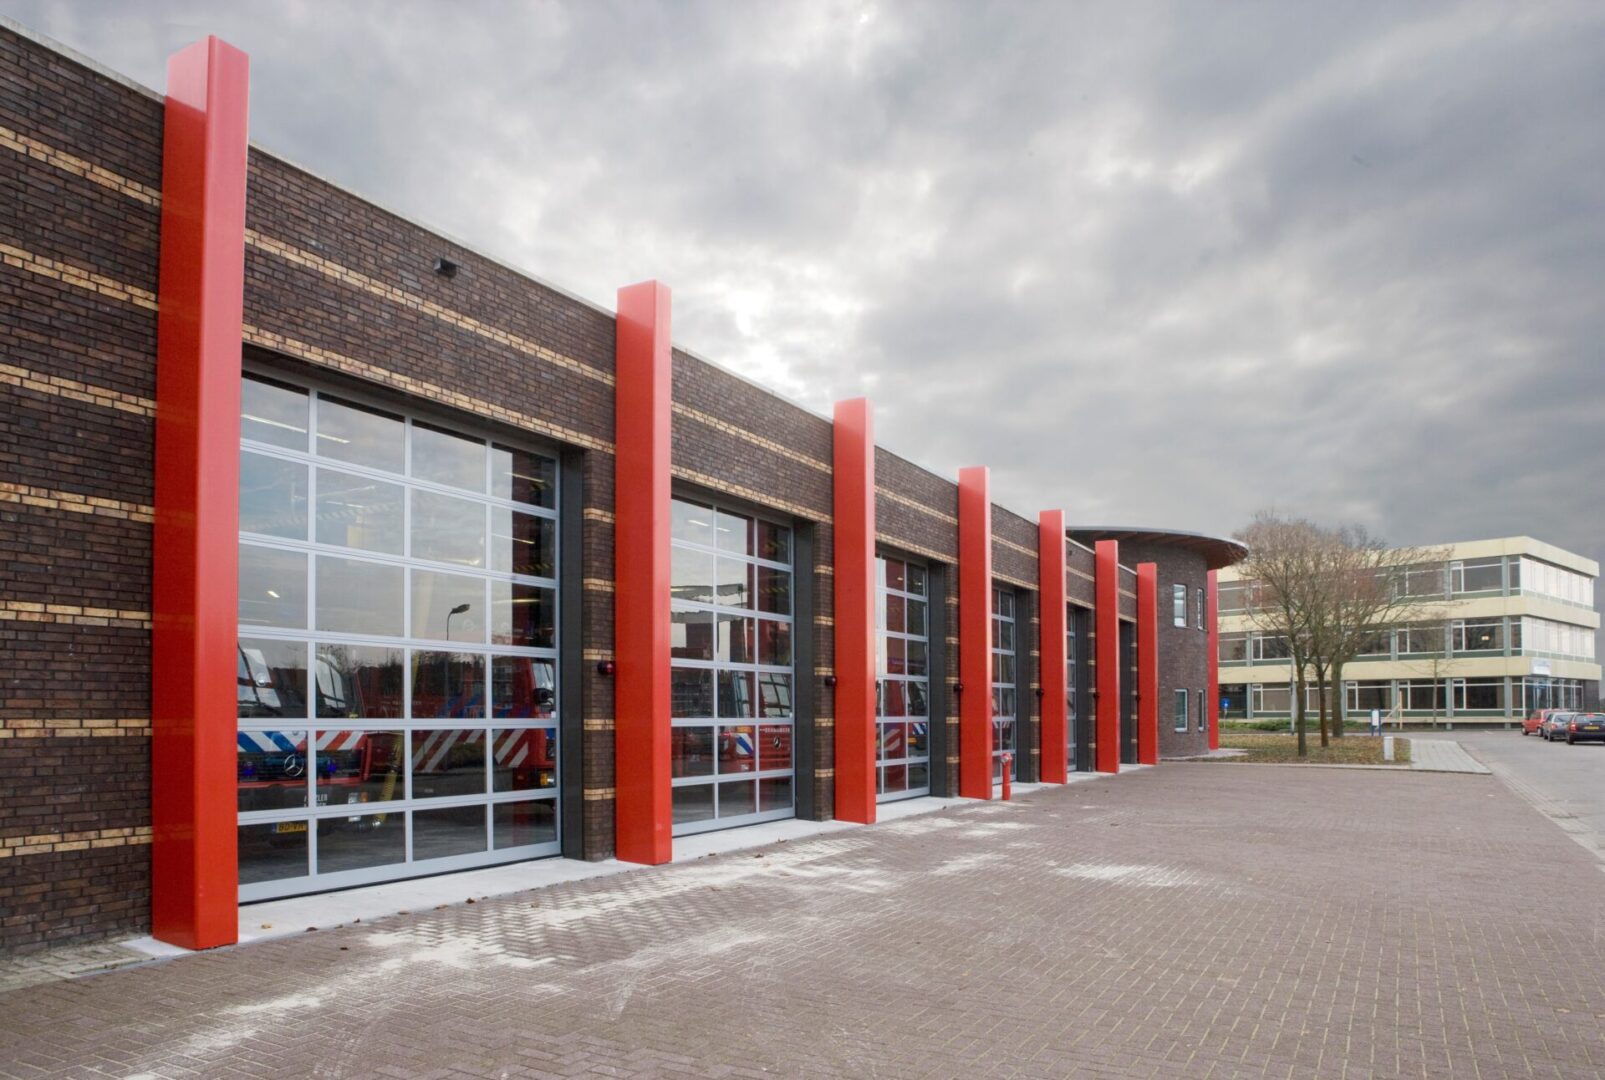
x=1197, y=920
x=1567, y=782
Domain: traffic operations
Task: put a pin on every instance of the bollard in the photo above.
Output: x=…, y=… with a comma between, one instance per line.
x=1008, y=763
x=1387, y=748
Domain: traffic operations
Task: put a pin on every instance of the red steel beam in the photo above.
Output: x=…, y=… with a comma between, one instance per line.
x=1051, y=569
x=1107, y=677
x=1212, y=624
x=644, y=811
x=854, y=544
x=1148, y=663
x=975, y=633
x=195, y=584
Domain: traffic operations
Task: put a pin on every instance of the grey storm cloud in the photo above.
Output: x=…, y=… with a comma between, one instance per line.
x=1154, y=263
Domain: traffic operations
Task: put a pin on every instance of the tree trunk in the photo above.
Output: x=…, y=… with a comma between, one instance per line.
x=1320, y=694
x=1337, y=696
x=1298, y=713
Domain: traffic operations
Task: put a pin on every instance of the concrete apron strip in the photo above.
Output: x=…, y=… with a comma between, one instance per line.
x=269, y=919
x=1442, y=755
x=1399, y=768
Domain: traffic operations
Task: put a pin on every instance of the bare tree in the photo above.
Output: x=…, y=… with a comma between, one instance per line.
x=1369, y=590
x=1328, y=592
x=1283, y=564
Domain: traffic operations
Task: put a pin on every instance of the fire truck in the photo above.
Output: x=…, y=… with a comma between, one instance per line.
x=366, y=766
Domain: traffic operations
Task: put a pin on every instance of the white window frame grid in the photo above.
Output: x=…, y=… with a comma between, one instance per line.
x=1556, y=582
x=1256, y=651
x=1404, y=645
x=1351, y=695
x=756, y=722
x=1550, y=637
x=1458, y=694
x=1178, y=605
x=1457, y=575
x=1072, y=645
x=882, y=591
x=1183, y=715
x=1005, y=728
x=1458, y=636
x=310, y=638
x=1256, y=699
x=1200, y=609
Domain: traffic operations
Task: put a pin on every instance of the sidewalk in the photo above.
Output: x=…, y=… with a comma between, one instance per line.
x=1442, y=755
x=1184, y=922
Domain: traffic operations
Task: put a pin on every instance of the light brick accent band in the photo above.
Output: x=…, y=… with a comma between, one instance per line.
x=44, y=843
x=762, y=498
x=915, y=504
x=748, y=436
x=77, y=277
x=67, y=163
x=78, y=727
x=325, y=358
x=335, y=272
x=73, y=503
x=25, y=611
x=56, y=386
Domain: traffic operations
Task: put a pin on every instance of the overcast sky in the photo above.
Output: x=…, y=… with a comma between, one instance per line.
x=1158, y=264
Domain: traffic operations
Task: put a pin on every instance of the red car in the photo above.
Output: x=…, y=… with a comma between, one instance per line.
x=1533, y=723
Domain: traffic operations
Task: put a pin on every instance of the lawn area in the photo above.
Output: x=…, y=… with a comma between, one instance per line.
x=1282, y=748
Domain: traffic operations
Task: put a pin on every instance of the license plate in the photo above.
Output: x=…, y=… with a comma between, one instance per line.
x=290, y=826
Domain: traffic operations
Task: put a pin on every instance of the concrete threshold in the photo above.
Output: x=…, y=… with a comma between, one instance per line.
x=268, y=919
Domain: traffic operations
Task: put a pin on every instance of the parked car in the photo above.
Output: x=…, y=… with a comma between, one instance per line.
x=1585, y=725
x=1553, y=726
x=1533, y=722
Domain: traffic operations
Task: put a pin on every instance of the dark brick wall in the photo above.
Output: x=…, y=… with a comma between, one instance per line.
x=1183, y=651
x=342, y=290
x=76, y=377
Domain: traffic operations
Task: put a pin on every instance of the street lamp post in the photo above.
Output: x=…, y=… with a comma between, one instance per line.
x=445, y=657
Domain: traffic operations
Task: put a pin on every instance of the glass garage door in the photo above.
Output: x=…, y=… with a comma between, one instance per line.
x=1005, y=732
x=730, y=643
x=903, y=683
x=396, y=664
x=1072, y=676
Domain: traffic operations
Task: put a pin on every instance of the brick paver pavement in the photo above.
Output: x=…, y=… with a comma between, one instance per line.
x=1189, y=920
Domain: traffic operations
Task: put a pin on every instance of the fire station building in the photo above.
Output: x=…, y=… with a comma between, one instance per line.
x=332, y=553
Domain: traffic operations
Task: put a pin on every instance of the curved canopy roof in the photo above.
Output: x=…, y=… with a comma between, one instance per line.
x=1217, y=551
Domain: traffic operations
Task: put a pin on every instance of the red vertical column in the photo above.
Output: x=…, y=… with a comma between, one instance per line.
x=853, y=531
x=1051, y=564
x=1107, y=680
x=1147, y=663
x=975, y=633
x=195, y=587
x=1212, y=625
x=644, y=813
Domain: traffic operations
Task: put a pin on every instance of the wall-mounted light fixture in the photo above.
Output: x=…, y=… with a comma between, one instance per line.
x=445, y=268
x=605, y=668
x=830, y=681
